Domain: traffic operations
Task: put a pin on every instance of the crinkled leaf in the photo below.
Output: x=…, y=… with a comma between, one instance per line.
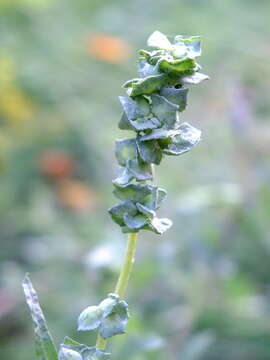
x=124, y=123
x=134, y=192
x=69, y=341
x=159, y=41
x=172, y=66
x=124, y=177
x=194, y=79
x=188, y=137
x=66, y=353
x=70, y=352
x=125, y=149
x=117, y=212
x=145, y=86
x=145, y=211
x=159, y=226
x=146, y=123
x=145, y=69
x=160, y=134
x=164, y=110
x=135, y=108
x=149, y=151
x=175, y=96
x=89, y=318
x=45, y=348
x=140, y=170
x=155, y=199
x=116, y=321
x=107, y=305
x=193, y=44
x=135, y=222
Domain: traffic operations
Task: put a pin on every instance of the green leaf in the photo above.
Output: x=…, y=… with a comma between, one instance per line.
x=141, y=171
x=155, y=199
x=149, y=151
x=69, y=341
x=164, y=110
x=125, y=149
x=124, y=177
x=189, y=136
x=44, y=342
x=159, y=41
x=160, y=134
x=124, y=123
x=89, y=319
x=145, y=211
x=115, y=322
x=135, y=222
x=193, y=79
x=146, y=123
x=107, y=305
x=135, y=109
x=81, y=352
x=117, y=212
x=145, y=69
x=145, y=86
x=171, y=66
x=175, y=96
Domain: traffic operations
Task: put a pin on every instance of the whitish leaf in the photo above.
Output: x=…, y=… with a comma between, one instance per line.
x=149, y=151
x=135, y=108
x=164, y=110
x=125, y=149
x=72, y=352
x=135, y=222
x=160, y=225
x=159, y=41
x=145, y=123
x=89, y=318
x=175, y=96
x=194, y=79
x=45, y=348
x=115, y=322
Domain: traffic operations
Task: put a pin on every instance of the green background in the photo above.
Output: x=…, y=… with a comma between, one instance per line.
x=199, y=292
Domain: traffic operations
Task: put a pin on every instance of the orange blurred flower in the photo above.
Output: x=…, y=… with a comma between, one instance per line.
x=56, y=164
x=107, y=48
x=76, y=195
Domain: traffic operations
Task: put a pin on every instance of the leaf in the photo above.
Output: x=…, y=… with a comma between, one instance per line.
x=89, y=319
x=135, y=222
x=164, y=110
x=115, y=322
x=149, y=151
x=135, y=108
x=159, y=41
x=45, y=348
x=72, y=352
x=66, y=353
x=189, y=136
x=117, y=212
x=106, y=306
x=141, y=171
x=176, y=67
x=194, y=79
x=155, y=199
x=125, y=149
x=175, y=96
x=193, y=44
x=124, y=177
x=69, y=341
x=134, y=192
x=145, y=86
x=145, y=211
x=145, y=69
x=160, y=134
x=124, y=123
x=159, y=226
x=148, y=123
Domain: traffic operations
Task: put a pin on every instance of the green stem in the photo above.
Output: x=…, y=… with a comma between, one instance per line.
x=123, y=278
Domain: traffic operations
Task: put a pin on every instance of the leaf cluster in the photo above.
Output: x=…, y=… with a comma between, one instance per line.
x=153, y=111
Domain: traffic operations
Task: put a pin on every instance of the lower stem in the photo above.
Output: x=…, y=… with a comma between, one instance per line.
x=123, y=278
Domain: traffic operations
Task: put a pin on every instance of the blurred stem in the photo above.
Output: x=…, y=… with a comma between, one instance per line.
x=123, y=278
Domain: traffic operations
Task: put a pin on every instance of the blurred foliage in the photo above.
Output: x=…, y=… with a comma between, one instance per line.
x=202, y=290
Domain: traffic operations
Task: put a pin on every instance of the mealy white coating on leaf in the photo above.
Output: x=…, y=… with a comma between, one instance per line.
x=89, y=319
x=159, y=41
x=68, y=354
x=194, y=79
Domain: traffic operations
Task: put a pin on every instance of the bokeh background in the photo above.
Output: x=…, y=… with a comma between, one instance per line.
x=199, y=292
